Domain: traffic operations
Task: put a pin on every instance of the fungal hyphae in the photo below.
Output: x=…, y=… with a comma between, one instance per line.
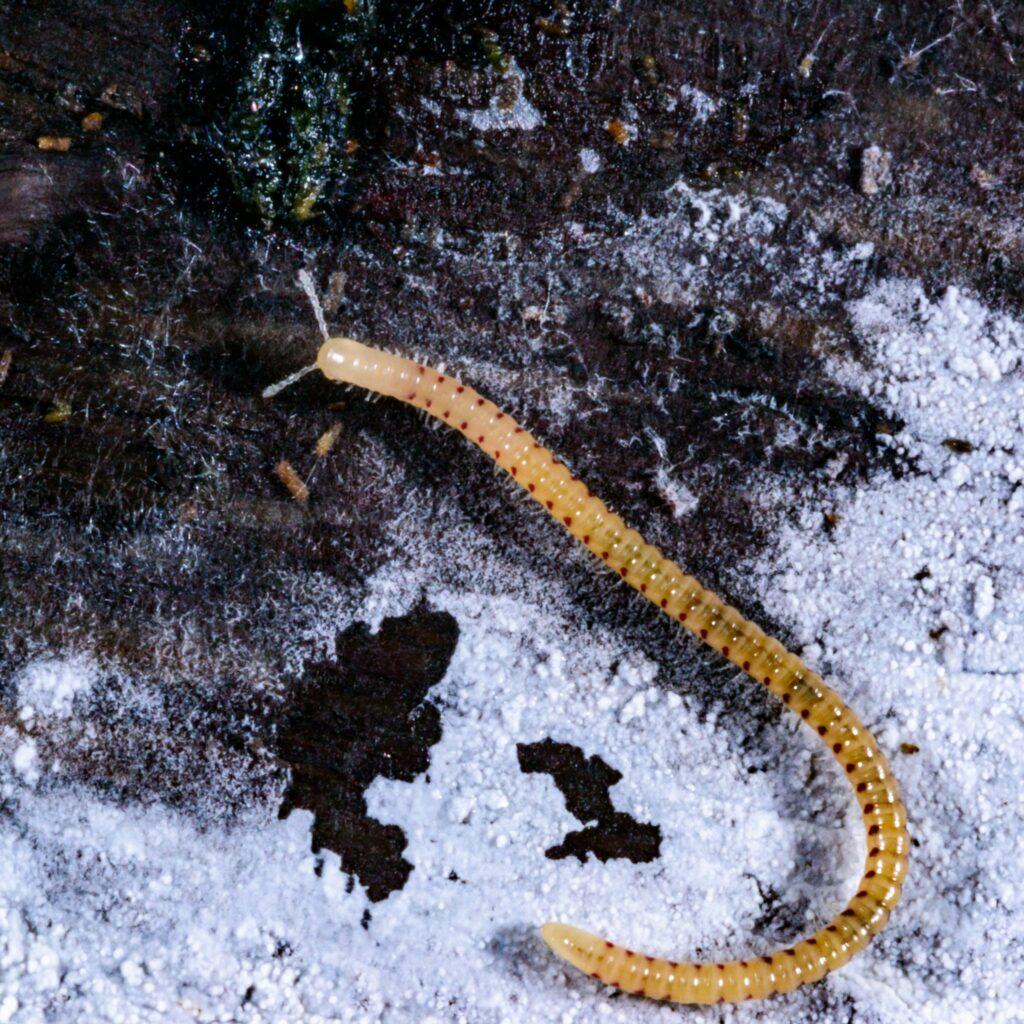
x=682, y=598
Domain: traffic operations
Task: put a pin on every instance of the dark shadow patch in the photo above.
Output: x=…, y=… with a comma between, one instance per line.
x=585, y=782
x=358, y=717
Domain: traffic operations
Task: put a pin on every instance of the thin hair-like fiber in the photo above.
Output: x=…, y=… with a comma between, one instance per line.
x=641, y=565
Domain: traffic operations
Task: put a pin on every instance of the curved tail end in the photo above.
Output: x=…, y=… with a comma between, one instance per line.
x=573, y=945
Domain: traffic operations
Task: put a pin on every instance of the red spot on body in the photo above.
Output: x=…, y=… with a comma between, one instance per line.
x=550, y=505
x=868, y=808
x=463, y=425
x=785, y=698
x=622, y=571
x=460, y=389
x=440, y=379
x=725, y=650
x=497, y=455
x=746, y=666
x=428, y=403
x=822, y=730
x=643, y=588
x=532, y=487
x=586, y=538
x=422, y=369
x=682, y=616
x=446, y=414
x=849, y=771
x=479, y=401
x=515, y=472
x=567, y=521
x=604, y=555
x=703, y=634
x=664, y=602
x=480, y=439
x=518, y=430
x=500, y=416
x=874, y=851
x=874, y=830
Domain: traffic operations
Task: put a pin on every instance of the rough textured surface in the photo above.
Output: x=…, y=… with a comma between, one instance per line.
x=649, y=230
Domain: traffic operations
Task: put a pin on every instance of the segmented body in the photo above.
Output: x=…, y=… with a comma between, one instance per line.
x=682, y=598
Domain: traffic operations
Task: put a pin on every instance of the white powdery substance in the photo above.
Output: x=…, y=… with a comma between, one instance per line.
x=50, y=685
x=122, y=913
x=498, y=116
x=914, y=605
x=702, y=105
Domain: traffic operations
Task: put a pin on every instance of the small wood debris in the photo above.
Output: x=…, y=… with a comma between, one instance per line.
x=618, y=131
x=558, y=23
x=292, y=481
x=54, y=143
x=984, y=179
x=335, y=295
x=92, y=122
x=875, y=170
x=909, y=748
x=5, y=364
x=325, y=442
x=740, y=124
x=956, y=444
x=121, y=97
x=58, y=412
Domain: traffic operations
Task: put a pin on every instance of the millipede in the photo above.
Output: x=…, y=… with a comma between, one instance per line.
x=607, y=537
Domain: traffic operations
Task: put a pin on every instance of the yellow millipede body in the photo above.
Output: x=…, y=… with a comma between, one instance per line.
x=685, y=601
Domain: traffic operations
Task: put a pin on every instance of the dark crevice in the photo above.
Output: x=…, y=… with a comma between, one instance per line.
x=359, y=716
x=585, y=783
